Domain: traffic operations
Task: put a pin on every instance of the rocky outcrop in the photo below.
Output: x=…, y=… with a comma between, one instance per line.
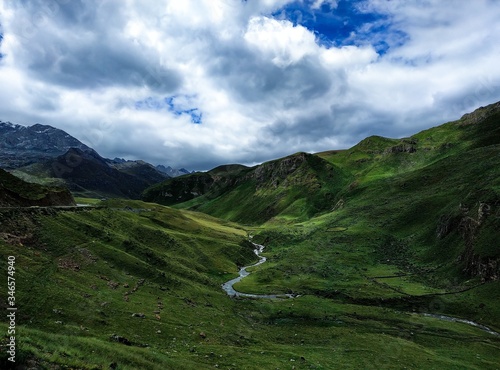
x=447, y=224
x=479, y=115
x=487, y=268
x=405, y=146
x=277, y=172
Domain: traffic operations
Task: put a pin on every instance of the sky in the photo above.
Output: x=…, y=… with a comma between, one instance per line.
x=199, y=83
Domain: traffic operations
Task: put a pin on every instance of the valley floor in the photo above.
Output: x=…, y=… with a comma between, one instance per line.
x=133, y=285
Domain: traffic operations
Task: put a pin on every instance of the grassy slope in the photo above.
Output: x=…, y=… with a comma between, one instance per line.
x=387, y=225
x=79, y=280
x=367, y=266
x=295, y=187
x=17, y=192
x=380, y=245
x=77, y=267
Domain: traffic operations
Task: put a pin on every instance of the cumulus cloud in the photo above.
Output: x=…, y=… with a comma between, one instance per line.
x=197, y=83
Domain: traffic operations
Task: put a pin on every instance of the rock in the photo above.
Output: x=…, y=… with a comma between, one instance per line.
x=140, y=315
x=483, y=212
x=404, y=147
x=446, y=225
x=475, y=265
x=203, y=335
x=120, y=339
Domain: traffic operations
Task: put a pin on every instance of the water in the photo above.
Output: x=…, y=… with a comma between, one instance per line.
x=229, y=289
x=463, y=321
x=228, y=286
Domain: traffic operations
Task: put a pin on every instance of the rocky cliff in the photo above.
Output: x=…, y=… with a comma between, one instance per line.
x=477, y=263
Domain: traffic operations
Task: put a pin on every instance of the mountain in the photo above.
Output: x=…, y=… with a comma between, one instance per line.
x=86, y=173
x=23, y=145
x=15, y=192
x=172, y=172
x=139, y=169
x=298, y=185
x=41, y=153
x=388, y=252
x=439, y=187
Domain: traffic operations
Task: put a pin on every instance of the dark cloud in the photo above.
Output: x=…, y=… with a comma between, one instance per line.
x=71, y=44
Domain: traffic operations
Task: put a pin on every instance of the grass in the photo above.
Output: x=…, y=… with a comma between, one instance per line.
x=370, y=239
x=28, y=191
x=89, y=201
x=294, y=187
x=83, y=275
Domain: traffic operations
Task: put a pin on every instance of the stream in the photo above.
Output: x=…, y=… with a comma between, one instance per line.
x=463, y=321
x=229, y=289
x=228, y=286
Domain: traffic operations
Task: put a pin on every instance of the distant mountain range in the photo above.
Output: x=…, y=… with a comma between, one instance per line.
x=172, y=172
x=48, y=155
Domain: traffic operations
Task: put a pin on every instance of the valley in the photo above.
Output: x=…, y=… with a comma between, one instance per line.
x=384, y=255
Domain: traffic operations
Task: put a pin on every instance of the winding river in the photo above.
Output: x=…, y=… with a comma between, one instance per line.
x=228, y=287
x=463, y=321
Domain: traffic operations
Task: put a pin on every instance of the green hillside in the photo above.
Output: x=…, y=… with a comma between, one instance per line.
x=15, y=192
x=137, y=286
x=428, y=203
x=295, y=187
x=374, y=242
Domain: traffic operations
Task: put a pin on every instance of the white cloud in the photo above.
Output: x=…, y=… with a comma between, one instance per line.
x=264, y=86
x=318, y=3
x=280, y=41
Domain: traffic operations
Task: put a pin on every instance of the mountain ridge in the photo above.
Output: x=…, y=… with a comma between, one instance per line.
x=305, y=186
x=45, y=154
x=24, y=145
x=363, y=162
x=389, y=249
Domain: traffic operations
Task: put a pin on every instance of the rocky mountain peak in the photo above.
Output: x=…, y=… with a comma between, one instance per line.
x=23, y=145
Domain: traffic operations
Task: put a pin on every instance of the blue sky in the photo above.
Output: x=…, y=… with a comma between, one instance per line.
x=198, y=83
x=172, y=104
x=344, y=22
